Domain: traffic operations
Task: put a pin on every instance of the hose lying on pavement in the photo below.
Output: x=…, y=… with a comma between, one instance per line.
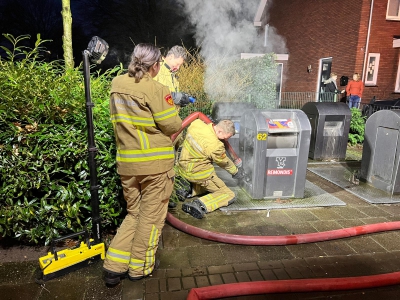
x=281, y=240
x=283, y=286
x=290, y=286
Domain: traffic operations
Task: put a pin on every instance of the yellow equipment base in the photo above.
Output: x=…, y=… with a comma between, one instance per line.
x=63, y=261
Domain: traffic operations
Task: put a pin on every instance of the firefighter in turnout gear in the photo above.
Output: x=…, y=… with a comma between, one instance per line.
x=202, y=147
x=167, y=76
x=144, y=117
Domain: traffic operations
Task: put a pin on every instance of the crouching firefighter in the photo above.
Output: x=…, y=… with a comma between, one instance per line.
x=202, y=147
x=144, y=117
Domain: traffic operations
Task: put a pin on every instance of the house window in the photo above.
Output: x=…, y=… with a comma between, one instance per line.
x=393, y=10
x=371, y=74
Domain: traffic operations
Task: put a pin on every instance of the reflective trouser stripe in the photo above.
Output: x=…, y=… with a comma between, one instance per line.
x=219, y=194
x=118, y=256
x=142, y=266
x=136, y=264
x=213, y=203
x=150, y=254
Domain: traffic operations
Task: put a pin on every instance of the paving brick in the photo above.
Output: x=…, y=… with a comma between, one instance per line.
x=188, y=283
x=305, y=250
x=220, y=269
x=255, y=275
x=306, y=272
x=281, y=274
x=152, y=296
x=245, y=267
x=268, y=275
x=228, y=278
x=318, y=271
x=331, y=270
x=201, y=281
x=174, y=284
x=163, y=285
x=333, y=248
x=270, y=264
x=290, y=263
x=242, y=276
x=179, y=295
x=194, y=271
x=215, y=279
x=152, y=285
x=294, y=273
x=173, y=273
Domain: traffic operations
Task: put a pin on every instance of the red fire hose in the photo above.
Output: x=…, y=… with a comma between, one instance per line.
x=283, y=286
x=290, y=286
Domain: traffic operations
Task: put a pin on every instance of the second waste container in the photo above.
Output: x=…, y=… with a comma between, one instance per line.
x=330, y=125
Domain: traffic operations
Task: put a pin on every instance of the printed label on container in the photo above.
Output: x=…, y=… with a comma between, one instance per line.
x=279, y=172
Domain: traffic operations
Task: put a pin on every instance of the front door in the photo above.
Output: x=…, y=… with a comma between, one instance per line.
x=324, y=74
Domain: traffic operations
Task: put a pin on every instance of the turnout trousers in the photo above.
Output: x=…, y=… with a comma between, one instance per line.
x=134, y=246
x=219, y=195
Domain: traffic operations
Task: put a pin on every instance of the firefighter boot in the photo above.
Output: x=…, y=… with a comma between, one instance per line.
x=194, y=208
x=112, y=278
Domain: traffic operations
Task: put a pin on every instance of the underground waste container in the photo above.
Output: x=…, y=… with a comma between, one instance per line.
x=330, y=125
x=273, y=145
x=231, y=111
x=380, y=163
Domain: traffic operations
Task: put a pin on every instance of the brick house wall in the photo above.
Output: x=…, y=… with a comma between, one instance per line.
x=324, y=29
x=381, y=41
x=335, y=28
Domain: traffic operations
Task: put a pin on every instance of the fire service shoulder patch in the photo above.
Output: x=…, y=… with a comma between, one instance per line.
x=169, y=99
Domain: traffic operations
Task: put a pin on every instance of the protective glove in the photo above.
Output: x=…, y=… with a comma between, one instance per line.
x=182, y=99
x=239, y=174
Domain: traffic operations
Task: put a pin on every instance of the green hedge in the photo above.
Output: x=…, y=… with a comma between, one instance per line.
x=43, y=147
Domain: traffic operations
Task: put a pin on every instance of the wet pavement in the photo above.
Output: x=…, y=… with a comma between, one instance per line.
x=188, y=262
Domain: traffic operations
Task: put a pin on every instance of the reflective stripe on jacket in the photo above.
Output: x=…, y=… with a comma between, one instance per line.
x=200, y=150
x=144, y=117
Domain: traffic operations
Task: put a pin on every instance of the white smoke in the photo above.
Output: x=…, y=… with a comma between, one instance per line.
x=223, y=30
x=224, y=27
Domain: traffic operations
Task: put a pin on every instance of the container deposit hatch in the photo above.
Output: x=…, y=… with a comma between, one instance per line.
x=330, y=125
x=273, y=145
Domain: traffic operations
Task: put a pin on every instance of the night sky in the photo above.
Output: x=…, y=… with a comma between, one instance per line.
x=122, y=23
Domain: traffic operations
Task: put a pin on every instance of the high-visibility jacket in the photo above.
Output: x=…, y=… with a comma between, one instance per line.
x=144, y=117
x=168, y=78
x=200, y=150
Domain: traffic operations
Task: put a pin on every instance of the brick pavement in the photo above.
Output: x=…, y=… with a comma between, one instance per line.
x=188, y=261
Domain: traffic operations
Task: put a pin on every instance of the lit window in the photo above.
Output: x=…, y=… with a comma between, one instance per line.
x=371, y=73
x=393, y=10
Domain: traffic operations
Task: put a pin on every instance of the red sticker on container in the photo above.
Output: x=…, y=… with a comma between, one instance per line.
x=280, y=172
x=169, y=99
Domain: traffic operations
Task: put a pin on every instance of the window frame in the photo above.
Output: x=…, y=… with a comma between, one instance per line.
x=397, y=86
x=374, y=80
x=393, y=18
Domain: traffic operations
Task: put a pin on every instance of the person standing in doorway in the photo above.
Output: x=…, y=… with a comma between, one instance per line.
x=331, y=89
x=144, y=117
x=354, y=90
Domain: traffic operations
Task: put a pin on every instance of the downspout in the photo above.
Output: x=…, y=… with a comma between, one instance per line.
x=367, y=43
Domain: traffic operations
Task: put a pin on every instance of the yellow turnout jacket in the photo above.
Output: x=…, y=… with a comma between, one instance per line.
x=200, y=150
x=144, y=117
x=166, y=77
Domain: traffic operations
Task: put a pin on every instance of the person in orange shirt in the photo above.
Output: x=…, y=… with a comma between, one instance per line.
x=354, y=90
